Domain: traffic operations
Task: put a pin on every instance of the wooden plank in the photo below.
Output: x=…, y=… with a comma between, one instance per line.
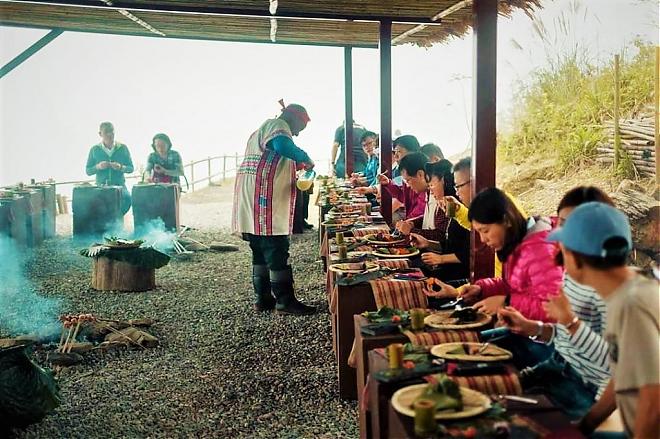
x=386, y=114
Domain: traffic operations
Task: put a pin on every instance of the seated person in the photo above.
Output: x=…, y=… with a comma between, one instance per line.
x=433, y=152
x=578, y=371
x=595, y=242
x=413, y=202
x=449, y=257
x=367, y=183
x=164, y=165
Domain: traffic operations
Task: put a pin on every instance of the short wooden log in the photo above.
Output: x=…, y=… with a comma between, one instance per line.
x=111, y=275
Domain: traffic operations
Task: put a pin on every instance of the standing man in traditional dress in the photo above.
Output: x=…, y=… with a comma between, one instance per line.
x=109, y=161
x=264, y=204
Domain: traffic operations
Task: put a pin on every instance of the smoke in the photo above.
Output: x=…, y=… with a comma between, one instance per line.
x=156, y=235
x=22, y=309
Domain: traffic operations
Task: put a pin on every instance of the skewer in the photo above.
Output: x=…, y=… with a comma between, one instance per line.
x=67, y=325
x=75, y=333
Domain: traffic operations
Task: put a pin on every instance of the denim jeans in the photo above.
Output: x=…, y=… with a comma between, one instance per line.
x=563, y=386
x=526, y=353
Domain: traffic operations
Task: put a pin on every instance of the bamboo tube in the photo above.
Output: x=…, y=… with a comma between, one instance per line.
x=425, y=424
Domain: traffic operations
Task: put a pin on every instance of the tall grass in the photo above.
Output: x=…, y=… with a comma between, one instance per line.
x=558, y=113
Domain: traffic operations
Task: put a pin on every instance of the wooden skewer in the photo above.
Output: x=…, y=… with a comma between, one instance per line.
x=67, y=340
x=59, y=345
x=73, y=339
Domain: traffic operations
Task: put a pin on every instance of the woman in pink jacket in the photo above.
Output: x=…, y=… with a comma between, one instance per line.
x=530, y=275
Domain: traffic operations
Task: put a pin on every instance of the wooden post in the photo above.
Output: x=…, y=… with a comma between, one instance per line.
x=224, y=167
x=657, y=115
x=348, y=108
x=192, y=176
x=484, y=119
x=209, y=166
x=236, y=164
x=385, y=45
x=617, y=103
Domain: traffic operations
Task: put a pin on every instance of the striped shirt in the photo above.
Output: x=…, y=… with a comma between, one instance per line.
x=586, y=350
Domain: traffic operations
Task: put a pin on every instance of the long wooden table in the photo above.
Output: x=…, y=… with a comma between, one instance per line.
x=387, y=423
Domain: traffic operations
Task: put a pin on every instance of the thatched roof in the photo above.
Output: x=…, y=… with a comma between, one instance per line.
x=322, y=22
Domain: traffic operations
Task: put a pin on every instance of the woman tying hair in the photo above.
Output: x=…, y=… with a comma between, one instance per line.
x=164, y=165
x=578, y=370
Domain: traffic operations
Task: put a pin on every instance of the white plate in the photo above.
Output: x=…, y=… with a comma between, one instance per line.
x=474, y=403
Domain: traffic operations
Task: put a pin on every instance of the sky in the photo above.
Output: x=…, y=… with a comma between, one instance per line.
x=209, y=96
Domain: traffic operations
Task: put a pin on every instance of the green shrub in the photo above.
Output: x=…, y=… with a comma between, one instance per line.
x=560, y=111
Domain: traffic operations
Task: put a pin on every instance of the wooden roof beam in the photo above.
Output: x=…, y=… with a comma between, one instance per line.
x=436, y=19
x=225, y=11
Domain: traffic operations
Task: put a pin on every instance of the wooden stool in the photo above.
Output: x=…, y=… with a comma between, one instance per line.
x=109, y=274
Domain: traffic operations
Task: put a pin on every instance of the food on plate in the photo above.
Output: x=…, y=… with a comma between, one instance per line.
x=465, y=315
x=445, y=393
x=396, y=251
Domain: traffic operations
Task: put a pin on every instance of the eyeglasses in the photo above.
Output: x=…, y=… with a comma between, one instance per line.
x=458, y=186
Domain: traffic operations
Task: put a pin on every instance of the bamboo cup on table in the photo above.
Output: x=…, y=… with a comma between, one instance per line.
x=339, y=238
x=417, y=316
x=425, y=424
x=395, y=355
x=343, y=251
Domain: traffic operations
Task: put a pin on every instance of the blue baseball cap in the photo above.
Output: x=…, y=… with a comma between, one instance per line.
x=590, y=226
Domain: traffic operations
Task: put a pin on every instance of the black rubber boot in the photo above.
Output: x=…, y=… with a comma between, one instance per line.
x=281, y=282
x=261, y=283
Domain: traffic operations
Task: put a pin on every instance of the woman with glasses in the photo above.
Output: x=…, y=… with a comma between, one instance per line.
x=448, y=242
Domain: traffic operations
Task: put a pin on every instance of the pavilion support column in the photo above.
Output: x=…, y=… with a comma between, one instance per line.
x=385, y=45
x=484, y=120
x=348, y=103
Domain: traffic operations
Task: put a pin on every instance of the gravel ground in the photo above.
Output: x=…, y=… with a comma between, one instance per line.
x=221, y=369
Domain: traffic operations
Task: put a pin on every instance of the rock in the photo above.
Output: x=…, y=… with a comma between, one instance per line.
x=219, y=246
x=65, y=359
x=11, y=342
x=81, y=347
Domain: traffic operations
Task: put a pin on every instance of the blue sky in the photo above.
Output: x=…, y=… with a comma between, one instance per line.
x=209, y=96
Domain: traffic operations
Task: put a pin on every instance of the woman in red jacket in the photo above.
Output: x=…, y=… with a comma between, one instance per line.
x=529, y=272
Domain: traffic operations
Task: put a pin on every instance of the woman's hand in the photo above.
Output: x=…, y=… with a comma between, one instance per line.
x=490, y=305
x=383, y=179
x=159, y=169
x=442, y=203
x=364, y=190
x=471, y=294
x=419, y=241
x=446, y=291
x=430, y=258
x=405, y=227
x=515, y=321
x=559, y=309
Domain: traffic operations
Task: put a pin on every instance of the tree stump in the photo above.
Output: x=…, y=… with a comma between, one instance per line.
x=109, y=274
